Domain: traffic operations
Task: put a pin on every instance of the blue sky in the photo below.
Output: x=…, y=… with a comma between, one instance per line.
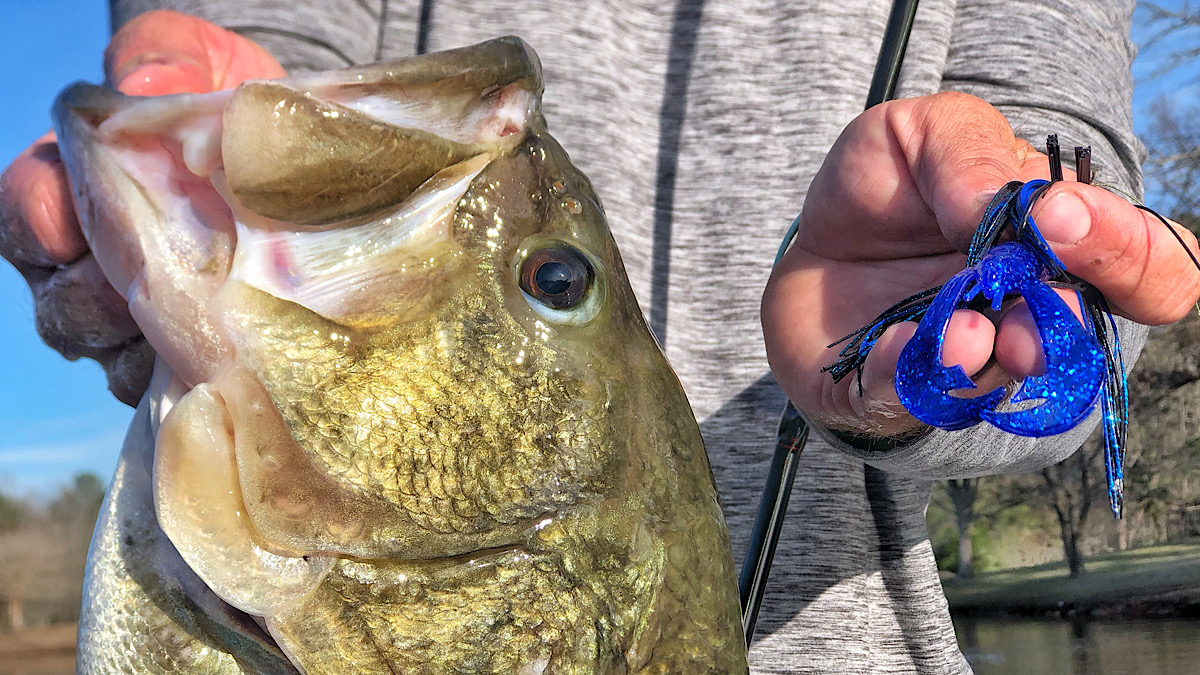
x=57, y=416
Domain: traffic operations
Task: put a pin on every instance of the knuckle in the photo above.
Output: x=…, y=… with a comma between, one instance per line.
x=77, y=317
x=1173, y=305
x=51, y=333
x=14, y=242
x=957, y=102
x=36, y=213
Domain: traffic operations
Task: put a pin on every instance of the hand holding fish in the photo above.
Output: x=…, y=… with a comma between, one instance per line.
x=78, y=312
x=890, y=211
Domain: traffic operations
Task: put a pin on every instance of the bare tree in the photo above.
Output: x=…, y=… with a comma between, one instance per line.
x=1173, y=168
x=11, y=513
x=30, y=569
x=963, y=492
x=73, y=514
x=1162, y=22
x=1071, y=488
x=1163, y=462
x=42, y=553
x=1173, y=141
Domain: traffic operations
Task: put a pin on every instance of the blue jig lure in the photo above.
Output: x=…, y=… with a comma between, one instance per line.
x=1083, y=361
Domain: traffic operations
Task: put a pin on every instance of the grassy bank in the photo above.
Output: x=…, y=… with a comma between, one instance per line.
x=1155, y=581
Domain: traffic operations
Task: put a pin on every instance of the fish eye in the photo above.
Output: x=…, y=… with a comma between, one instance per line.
x=558, y=277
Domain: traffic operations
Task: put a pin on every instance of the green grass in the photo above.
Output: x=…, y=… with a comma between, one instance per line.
x=1166, y=578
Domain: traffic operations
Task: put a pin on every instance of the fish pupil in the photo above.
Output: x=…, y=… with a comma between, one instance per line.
x=553, y=278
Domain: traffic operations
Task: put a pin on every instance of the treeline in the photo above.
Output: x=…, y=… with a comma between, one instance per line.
x=43, y=549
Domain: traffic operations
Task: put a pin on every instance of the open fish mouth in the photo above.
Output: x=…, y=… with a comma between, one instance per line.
x=287, y=186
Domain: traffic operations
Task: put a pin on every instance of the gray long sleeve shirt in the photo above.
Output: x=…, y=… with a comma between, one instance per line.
x=701, y=124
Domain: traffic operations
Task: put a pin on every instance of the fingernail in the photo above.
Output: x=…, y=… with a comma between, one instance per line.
x=1064, y=219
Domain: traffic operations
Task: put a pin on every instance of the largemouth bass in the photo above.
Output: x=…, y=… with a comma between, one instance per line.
x=406, y=415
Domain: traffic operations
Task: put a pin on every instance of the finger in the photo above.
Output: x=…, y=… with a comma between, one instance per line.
x=877, y=411
x=1127, y=254
x=879, y=370
x=78, y=313
x=38, y=227
x=968, y=343
x=165, y=52
x=128, y=368
x=1019, y=348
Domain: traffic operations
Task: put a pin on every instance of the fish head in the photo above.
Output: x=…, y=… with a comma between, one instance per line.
x=399, y=360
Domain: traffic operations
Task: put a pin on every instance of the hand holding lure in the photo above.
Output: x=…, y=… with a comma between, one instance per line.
x=1083, y=361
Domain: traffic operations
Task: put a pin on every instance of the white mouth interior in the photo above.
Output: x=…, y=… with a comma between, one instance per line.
x=346, y=274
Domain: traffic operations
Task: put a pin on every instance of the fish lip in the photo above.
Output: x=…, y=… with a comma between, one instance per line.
x=485, y=555
x=505, y=60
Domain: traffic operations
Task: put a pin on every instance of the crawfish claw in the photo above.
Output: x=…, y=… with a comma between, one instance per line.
x=1075, y=370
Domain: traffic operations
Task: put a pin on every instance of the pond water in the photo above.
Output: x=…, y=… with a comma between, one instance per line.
x=1081, y=647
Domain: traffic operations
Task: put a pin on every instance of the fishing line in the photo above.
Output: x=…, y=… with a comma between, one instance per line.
x=1187, y=249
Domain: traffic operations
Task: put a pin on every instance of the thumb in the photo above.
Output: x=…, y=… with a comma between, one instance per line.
x=1132, y=257
x=164, y=52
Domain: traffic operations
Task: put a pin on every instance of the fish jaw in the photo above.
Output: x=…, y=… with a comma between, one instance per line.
x=161, y=235
x=144, y=609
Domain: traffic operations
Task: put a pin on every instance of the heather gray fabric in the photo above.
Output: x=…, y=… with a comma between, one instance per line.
x=701, y=124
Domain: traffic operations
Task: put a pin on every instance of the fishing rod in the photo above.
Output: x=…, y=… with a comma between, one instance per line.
x=793, y=430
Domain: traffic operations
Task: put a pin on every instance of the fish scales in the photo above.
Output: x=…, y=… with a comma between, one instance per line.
x=407, y=415
x=507, y=409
